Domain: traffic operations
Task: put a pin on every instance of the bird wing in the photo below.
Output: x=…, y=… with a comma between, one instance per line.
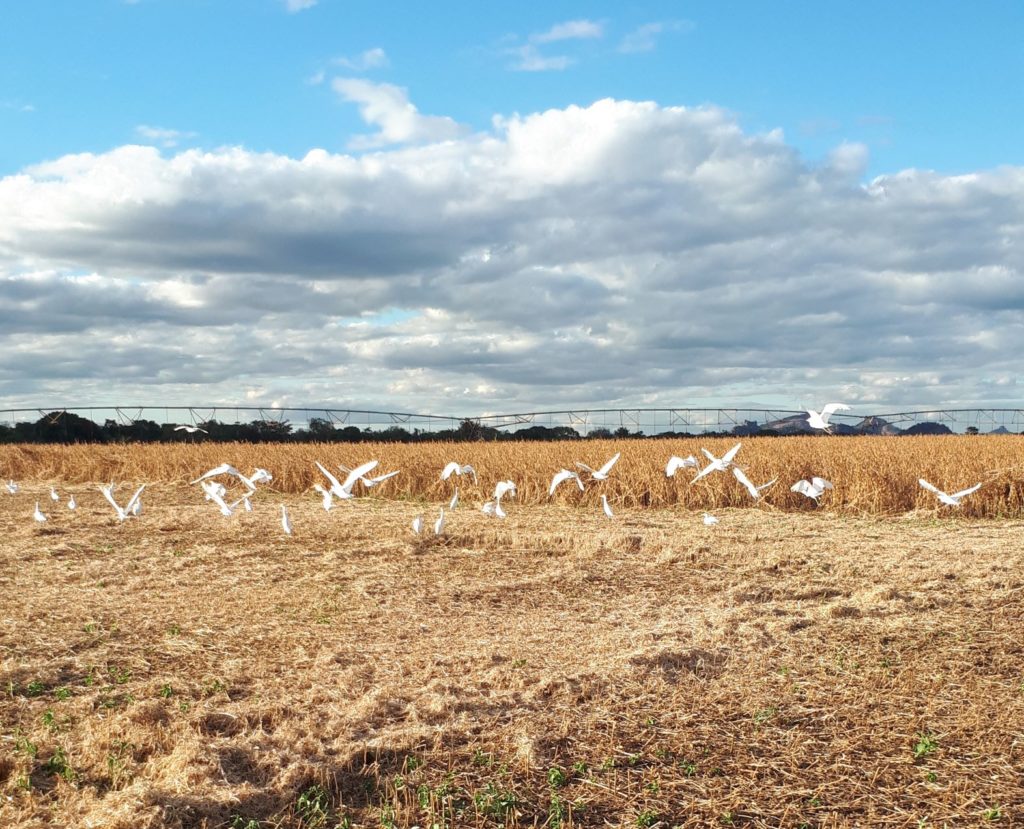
x=357, y=473
x=708, y=455
x=503, y=488
x=805, y=488
x=604, y=505
x=217, y=470
x=108, y=494
x=930, y=487
x=215, y=496
x=743, y=479
x=821, y=483
x=335, y=484
x=134, y=499
x=604, y=470
x=830, y=408
x=467, y=469
x=964, y=492
x=380, y=478
x=449, y=468
x=561, y=475
x=765, y=486
x=180, y=428
x=728, y=456
x=584, y=467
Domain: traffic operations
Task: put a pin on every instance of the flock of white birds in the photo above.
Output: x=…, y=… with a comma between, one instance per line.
x=217, y=493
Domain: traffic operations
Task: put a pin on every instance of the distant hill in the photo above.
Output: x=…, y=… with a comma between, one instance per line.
x=928, y=428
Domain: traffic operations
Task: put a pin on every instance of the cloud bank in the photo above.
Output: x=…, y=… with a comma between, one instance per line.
x=622, y=253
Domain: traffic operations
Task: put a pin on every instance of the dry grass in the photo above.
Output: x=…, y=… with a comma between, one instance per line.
x=186, y=670
x=872, y=475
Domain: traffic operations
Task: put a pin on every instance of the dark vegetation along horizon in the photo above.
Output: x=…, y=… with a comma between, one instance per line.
x=67, y=427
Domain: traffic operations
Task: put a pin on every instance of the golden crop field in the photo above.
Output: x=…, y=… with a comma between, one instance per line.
x=872, y=475
x=856, y=665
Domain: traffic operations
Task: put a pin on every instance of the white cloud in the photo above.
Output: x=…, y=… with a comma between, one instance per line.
x=293, y=6
x=162, y=136
x=644, y=38
x=612, y=254
x=388, y=107
x=529, y=59
x=570, y=30
x=370, y=59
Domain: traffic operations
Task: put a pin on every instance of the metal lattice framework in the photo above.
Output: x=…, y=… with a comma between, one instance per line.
x=649, y=421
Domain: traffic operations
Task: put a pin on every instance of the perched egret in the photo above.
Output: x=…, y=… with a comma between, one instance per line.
x=38, y=514
x=949, y=500
x=71, y=503
x=709, y=520
x=604, y=505
x=813, y=488
x=11, y=487
x=53, y=495
x=439, y=523
x=417, y=524
x=452, y=504
x=453, y=468
x=675, y=463
x=755, y=491
x=820, y=420
x=328, y=499
x=602, y=473
x=716, y=464
x=286, y=523
x=564, y=475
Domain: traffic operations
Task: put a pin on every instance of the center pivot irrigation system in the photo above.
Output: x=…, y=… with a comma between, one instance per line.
x=582, y=421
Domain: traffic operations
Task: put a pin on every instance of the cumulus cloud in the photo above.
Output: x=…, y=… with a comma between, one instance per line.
x=388, y=107
x=618, y=254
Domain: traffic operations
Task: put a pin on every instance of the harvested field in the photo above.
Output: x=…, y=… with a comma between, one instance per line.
x=556, y=668
x=873, y=475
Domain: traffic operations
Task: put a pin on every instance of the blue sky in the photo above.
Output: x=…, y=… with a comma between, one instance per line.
x=465, y=207
x=932, y=85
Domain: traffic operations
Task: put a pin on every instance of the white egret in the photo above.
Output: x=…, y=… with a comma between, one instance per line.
x=53, y=495
x=949, y=500
x=228, y=469
x=71, y=503
x=286, y=523
x=38, y=514
x=215, y=492
x=602, y=473
x=248, y=504
x=604, y=505
x=755, y=491
x=813, y=488
x=343, y=491
x=818, y=420
x=328, y=499
x=716, y=464
x=453, y=468
x=493, y=509
x=455, y=500
x=417, y=524
x=129, y=508
x=503, y=488
x=709, y=520
x=564, y=475
x=675, y=463
x=190, y=429
x=137, y=508
x=11, y=487
x=439, y=523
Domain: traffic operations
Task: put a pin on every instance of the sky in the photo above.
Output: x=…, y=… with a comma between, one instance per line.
x=465, y=208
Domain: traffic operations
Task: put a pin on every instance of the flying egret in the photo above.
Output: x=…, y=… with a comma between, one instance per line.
x=11, y=487
x=813, y=488
x=503, y=488
x=453, y=468
x=564, y=475
x=286, y=524
x=71, y=503
x=604, y=505
x=675, y=463
x=53, y=495
x=38, y=514
x=709, y=520
x=129, y=508
x=417, y=524
x=716, y=464
x=755, y=491
x=820, y=420
x=439, y=523
x=261, y=476
x=455, y=500
x=215, y=492
x=343, y=491
x=602, y=473
x=949, y=500
x=228, y=469
x=328, y=499
x=190, y=429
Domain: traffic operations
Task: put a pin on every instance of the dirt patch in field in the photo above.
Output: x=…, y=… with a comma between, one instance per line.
x=189, y=670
